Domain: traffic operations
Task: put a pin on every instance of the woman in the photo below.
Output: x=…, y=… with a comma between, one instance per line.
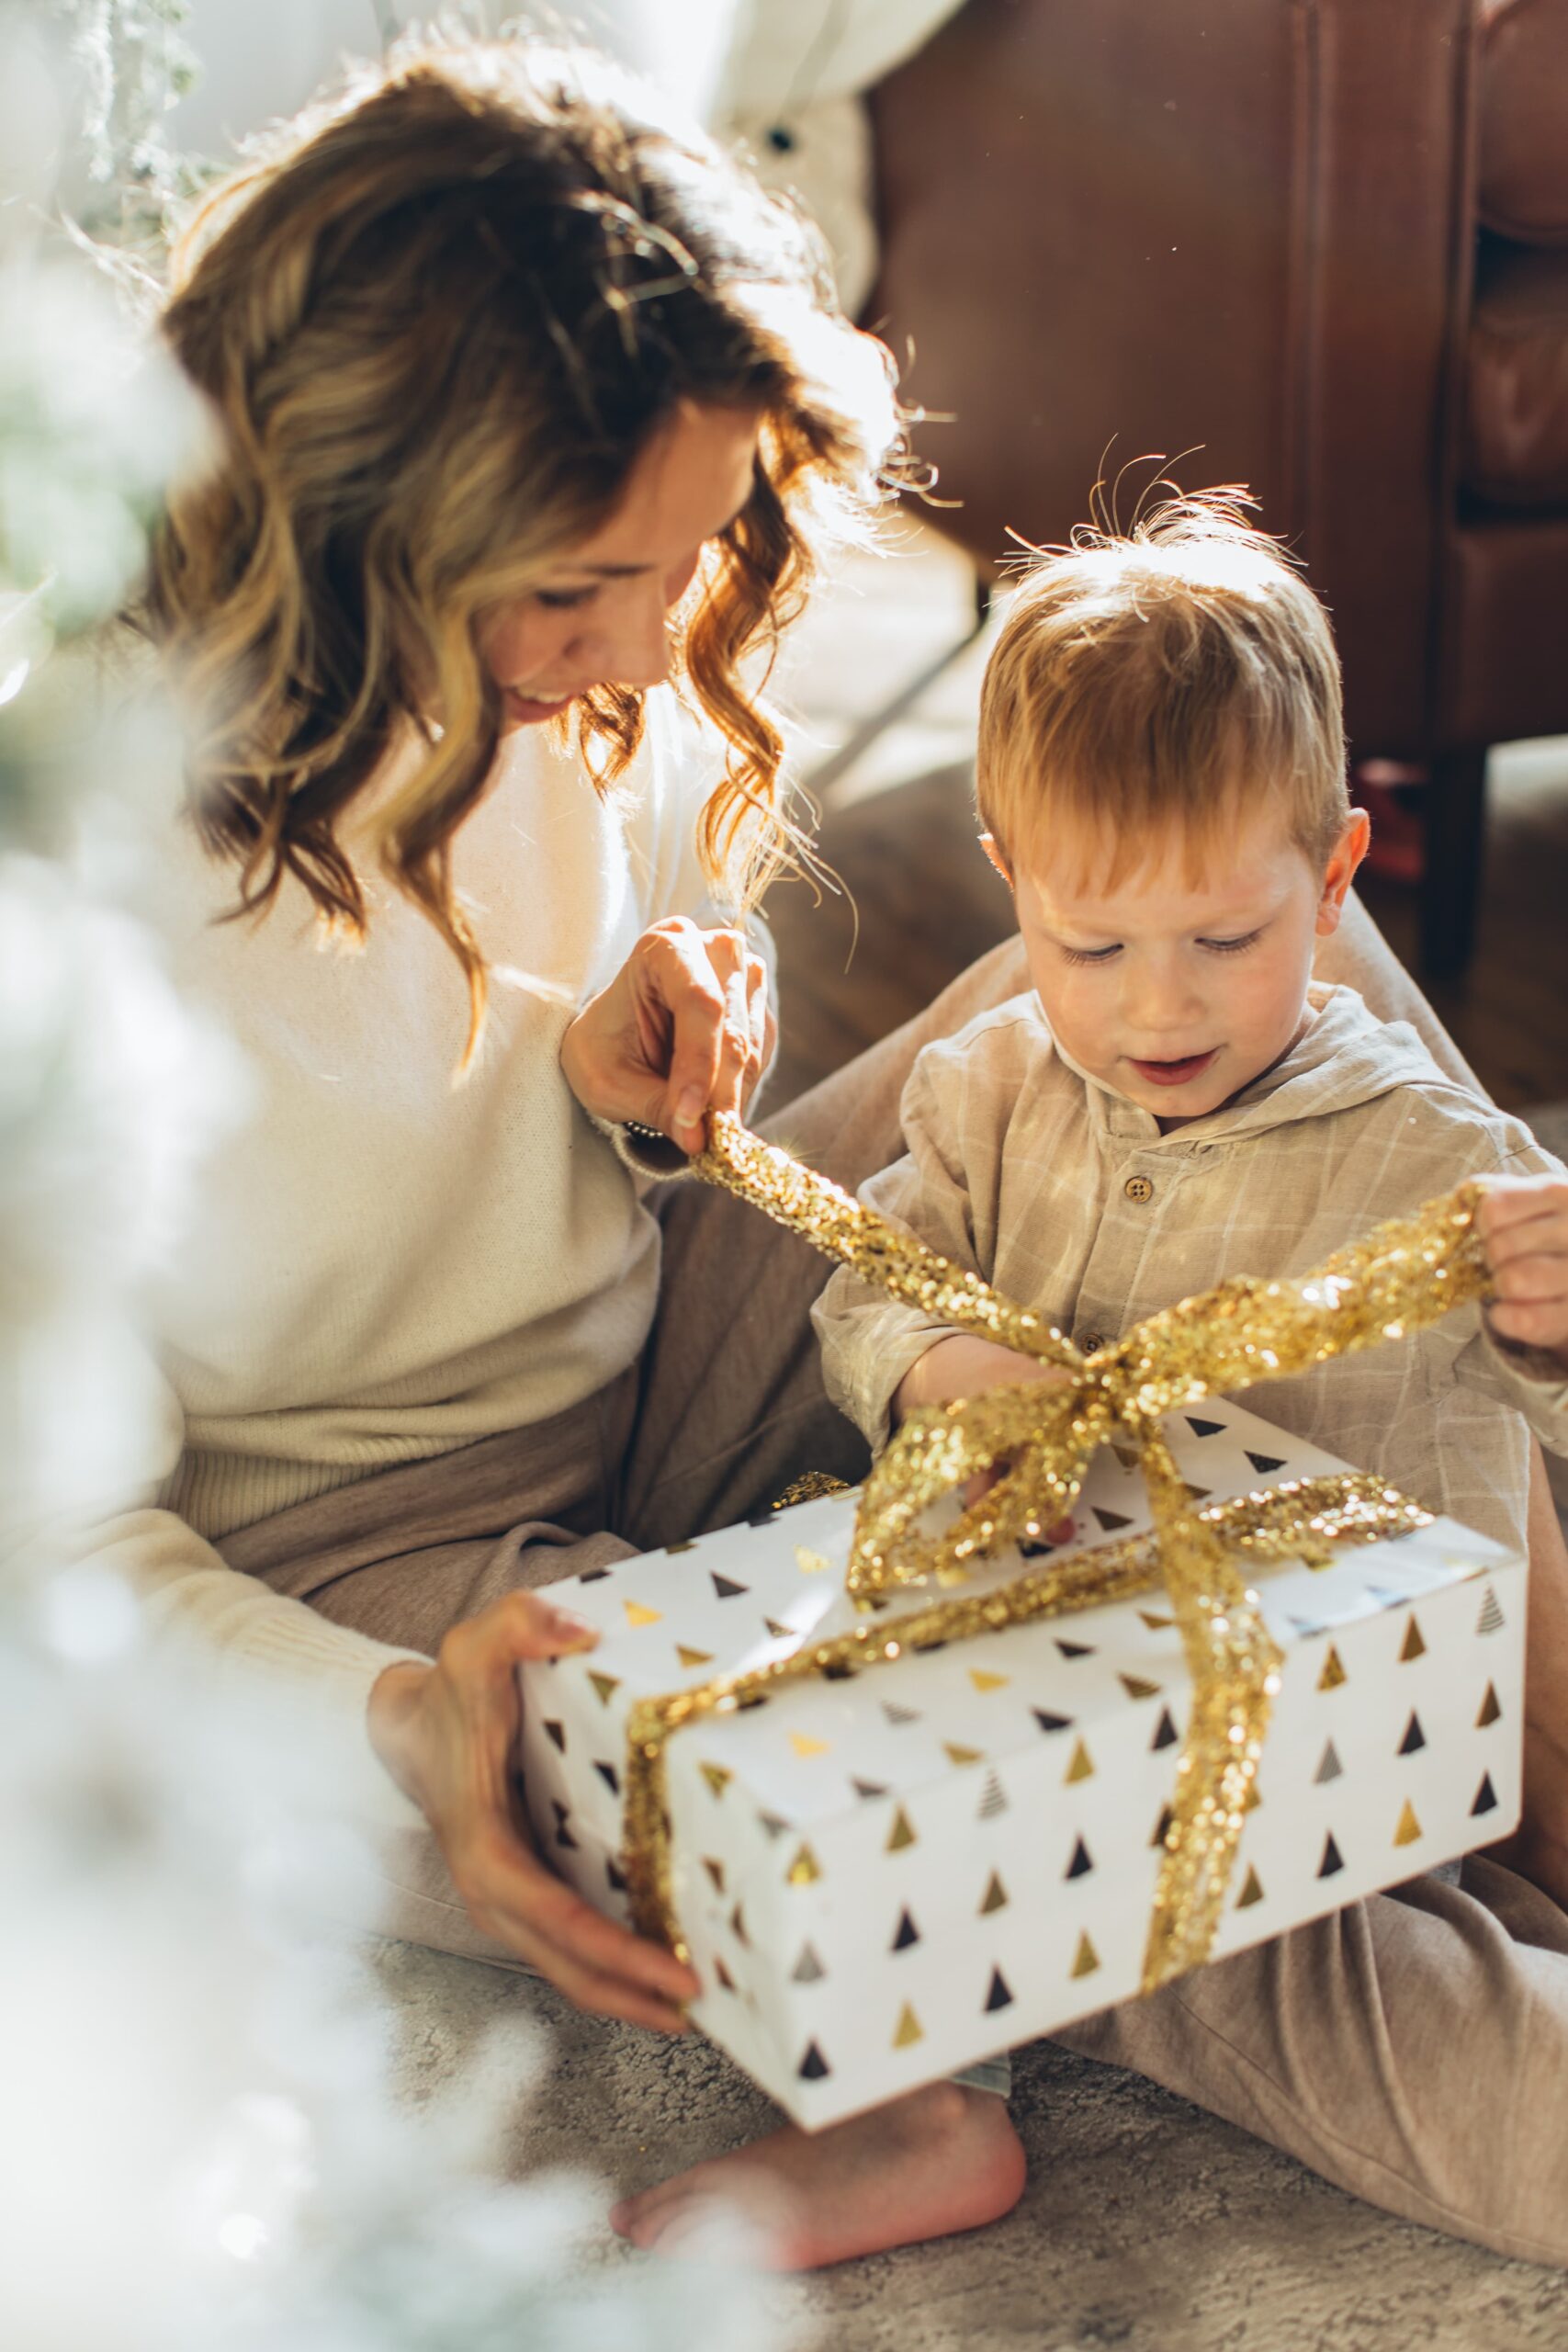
x=523, y=406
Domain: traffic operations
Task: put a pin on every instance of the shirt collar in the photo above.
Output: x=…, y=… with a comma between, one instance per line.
x=1345, y=1056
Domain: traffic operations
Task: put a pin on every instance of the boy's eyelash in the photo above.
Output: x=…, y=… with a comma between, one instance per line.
x=1216, y=946
x=564, y=599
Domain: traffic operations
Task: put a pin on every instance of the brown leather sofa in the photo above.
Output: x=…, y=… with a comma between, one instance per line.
x=1327, y=240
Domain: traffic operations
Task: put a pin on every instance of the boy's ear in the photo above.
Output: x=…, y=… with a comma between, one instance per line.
x=998, y=856
x=1347, y=855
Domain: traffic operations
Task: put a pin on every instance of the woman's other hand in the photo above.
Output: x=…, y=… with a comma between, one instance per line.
x=683, y=1028
x=449, y=1735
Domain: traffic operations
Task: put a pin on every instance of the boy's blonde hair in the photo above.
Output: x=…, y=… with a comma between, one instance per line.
x=1172, y=678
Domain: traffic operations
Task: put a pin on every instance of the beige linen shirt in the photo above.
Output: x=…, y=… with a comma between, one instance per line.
x=1069, y=1199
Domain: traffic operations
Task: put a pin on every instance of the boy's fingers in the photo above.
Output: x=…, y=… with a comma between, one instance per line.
x=1514, y=1201
x=1532, y=1280
x=1532, y=1237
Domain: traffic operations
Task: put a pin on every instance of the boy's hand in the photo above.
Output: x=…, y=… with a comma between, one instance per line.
x=966, y=1367
x=1523, y=1223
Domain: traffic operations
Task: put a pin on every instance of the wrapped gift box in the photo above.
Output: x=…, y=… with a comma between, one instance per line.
x=883, y=1879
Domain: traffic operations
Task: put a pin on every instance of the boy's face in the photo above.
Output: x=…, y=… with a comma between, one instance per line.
x=1173, y=989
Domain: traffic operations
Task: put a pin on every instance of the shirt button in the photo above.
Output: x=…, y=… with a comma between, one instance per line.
x=1091, y=1342
x=1138, y=1188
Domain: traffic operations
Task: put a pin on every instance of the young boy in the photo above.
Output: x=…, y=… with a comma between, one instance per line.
x=1161, y=777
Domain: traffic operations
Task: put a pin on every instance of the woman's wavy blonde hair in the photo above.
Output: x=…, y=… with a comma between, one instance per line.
x=437, y=322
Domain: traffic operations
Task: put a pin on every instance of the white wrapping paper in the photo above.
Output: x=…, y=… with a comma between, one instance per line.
x=883, y=1879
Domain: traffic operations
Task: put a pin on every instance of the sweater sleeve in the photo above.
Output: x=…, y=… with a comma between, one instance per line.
x=251, y=1637
x=869, y=1341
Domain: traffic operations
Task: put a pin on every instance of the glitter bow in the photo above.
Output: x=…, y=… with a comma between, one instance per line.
x=1041, y=1437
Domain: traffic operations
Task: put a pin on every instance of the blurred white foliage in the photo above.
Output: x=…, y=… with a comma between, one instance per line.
x=200, y=2148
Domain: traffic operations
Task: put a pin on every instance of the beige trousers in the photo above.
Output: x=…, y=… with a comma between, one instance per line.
x=1413, y=2048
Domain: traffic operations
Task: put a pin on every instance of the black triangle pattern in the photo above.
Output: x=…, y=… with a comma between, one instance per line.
x=1414, y=1737
x=609, y=1777
x=814, y=2067
x=1329, y=1767
x=725, y=1586
x=1333, y=1859
x=908, y=1934
x=1082, y=1861
x=1264, y=1462
x=1051, y=1723
x=869, y=1788
x=1074, y=1649
x=1166, y=1734
x=555, y=1733
x=616, y=1877
x=1000, y=1995
x=1204, y=1429
x=1486, y=1796
x=593, y=1576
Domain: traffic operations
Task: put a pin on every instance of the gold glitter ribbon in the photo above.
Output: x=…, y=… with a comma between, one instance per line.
x=1042, y=1436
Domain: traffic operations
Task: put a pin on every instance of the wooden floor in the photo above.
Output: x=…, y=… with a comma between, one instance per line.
x=926, y=903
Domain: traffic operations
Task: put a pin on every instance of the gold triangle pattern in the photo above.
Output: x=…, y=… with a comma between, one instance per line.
x=806, y=1747
x=1490, y=1709
x=958, y=1754
x=810, y=1564
x=806, y=1870
x=636, y=1615
x=716, y=1872
x=1333, y=1673
x=985, y=1682
x=693, y=1658
x=901, y=1834
x=908, y=2029
x=1082, y=1766
x=1251, y=1891
x=718, y=1776
x=1087, y=1959
x=996, y=1896
x=1412, y=1646
x=607, y=1686
x=1409, y=1829
x=1136, y=1688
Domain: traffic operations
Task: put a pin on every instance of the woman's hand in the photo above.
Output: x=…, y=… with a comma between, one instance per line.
x=449, y=1736
x=962, y=1366
x=683, y=1028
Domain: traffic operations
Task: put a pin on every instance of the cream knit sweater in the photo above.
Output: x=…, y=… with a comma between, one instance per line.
x=385, y=1263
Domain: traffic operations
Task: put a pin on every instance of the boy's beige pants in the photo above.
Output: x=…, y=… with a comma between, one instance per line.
x=1413, y=2047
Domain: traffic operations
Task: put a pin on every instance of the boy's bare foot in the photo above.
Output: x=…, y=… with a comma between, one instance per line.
x=942, y=2159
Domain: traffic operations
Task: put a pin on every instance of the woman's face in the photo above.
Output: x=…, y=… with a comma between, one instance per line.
x=598, y=615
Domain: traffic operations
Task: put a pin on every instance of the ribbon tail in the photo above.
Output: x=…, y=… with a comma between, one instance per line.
x=1235, y=1666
